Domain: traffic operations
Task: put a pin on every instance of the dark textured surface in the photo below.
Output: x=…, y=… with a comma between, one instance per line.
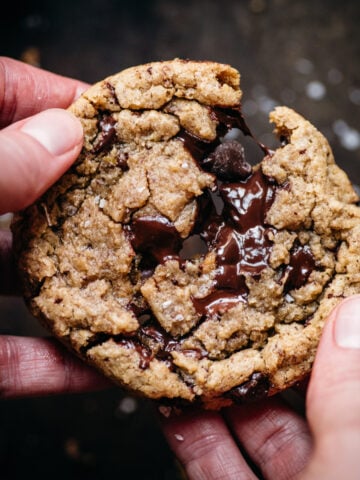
x=303, y=54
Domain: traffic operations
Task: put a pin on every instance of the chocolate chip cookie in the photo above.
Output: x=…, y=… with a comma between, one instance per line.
x=168, y=261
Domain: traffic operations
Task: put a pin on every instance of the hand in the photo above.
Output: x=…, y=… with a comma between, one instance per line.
x=276, y=439
x=36, y=146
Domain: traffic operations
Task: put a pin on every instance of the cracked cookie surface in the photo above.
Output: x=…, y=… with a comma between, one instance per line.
x=168, y=262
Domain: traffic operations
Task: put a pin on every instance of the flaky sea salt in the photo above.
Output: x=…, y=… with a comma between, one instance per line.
x=166, y=304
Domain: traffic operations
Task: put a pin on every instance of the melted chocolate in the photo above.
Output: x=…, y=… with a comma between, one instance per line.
x=107, y=133
x=229, y=118
x=233, y=118
x=254, y=389
x=165, y=344
x=144, y=352
x=219, y=301
x=247, y=203
x=238, y=234
x=198, y=148
x=142, y=341
x=240, y=239
x=243, y=252
x=155, y=236
x=301, y=264
x=168, y=343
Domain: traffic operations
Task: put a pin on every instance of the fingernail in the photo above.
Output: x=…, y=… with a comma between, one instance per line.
x=347, y=324
x=80, y=90
x=56, y=130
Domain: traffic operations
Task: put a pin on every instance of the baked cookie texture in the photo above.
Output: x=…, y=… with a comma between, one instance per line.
x=168, y=262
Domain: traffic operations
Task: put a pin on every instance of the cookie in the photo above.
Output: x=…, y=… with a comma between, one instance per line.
x=169, y=262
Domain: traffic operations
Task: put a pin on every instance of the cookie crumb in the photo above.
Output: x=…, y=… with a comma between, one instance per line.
x=165, y=410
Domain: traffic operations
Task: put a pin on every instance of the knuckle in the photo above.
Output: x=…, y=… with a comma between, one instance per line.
x=280, y=439
x=8, y=85
x=199, y=446
x=8, y=360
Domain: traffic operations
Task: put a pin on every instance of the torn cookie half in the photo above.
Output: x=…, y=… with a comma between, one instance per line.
x=168, y=261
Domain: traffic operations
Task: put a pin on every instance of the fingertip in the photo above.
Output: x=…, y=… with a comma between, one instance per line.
x=347, y=323
x=80, y=89
x=34, y=153
x=333, y=400
x=341, y=330
x=57, y=130
x=335, y=379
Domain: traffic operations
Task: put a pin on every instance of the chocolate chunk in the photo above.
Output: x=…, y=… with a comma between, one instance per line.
x=230, y=118
x=155, y=334
x=198, y=148
x=165, y=343
x=227, y=118
x=107, y=133
x=94, y=341
x=301, y=264
x=122, y=161
x=155, y=236
x=144, y=352
x=228, y=162
x=254, y=389
x=284, y=140
x=114, y=99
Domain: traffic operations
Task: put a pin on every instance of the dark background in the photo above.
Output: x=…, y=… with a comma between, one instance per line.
x=298, y=53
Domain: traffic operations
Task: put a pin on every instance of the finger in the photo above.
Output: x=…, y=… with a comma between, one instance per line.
x=27, y=90
x=333, y=401
x=34, y=153
x=205, y=447
x=275, y=437
x=38, y=366
x=9, y=282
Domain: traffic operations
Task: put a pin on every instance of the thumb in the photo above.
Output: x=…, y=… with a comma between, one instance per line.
x=333, y=401
x=33, y=155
